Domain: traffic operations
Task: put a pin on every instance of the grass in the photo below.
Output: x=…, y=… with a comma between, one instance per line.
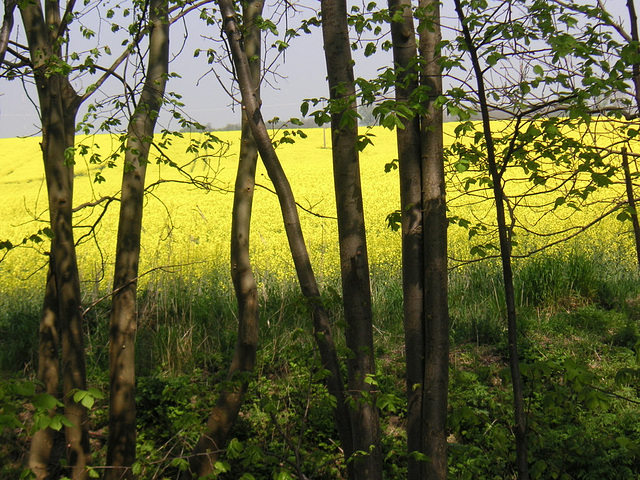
x=184, y=347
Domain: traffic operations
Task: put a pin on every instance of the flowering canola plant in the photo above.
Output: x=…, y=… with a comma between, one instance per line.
x=187, y=217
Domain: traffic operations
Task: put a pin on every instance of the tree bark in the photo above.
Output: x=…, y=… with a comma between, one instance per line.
x=436, y=307
x=403, y=36
x=631, y=201
x=635, y=38
x=226, y=411
x=121, y=448
x=522, y=463
x=42, y=444
x=7, y=26
x=424, y=242
x=354, y=263
x=635, y=74
x=58, y=104
x=306, y=277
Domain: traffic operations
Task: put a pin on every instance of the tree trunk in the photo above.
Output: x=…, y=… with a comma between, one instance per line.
x=228, y=406
x=635, y=75
x=58, y=105
x=41, y=450
x=7, y=26
x=424, y=244
x=354, y=263
x=522, y=463
x=121, y=448
x=436, y=307
x=631, y=201
x=306, y=277
x=635, y=38
x=403, y=36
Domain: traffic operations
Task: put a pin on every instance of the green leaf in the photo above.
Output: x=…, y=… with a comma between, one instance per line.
x=26, y=389
x=235, y=448
x=370, y=379
x=624, y=442
x=283, y=475
x=56, y=423
x=392, y=165
x=181, y=463
x=45, y=401
x=369, y=49
x=69, y=157
x=9, y=421
x=394, y=220
x=221, y=467
x=623, y=216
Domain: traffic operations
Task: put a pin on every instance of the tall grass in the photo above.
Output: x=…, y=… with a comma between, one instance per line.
x=188, y=316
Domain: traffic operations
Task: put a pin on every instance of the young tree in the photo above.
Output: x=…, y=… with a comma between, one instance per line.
x=520, y=430
x=403, y=36
x=121, y=447
x=246, y=76
x=225, y=412
x=542, y=106
x=354, y=262
x=47, y=30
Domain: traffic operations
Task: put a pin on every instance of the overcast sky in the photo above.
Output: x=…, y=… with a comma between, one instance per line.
x=301, y=74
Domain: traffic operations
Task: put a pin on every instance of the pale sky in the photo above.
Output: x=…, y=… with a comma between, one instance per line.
x=302, y=74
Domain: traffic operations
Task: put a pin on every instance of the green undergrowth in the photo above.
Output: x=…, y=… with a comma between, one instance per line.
x=579, y=345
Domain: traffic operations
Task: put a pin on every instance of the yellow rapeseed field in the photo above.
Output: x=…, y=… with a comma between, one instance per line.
x=186, y=225
x=186, y=228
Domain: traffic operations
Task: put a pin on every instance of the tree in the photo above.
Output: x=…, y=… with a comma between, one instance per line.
x=354, y=263
x=424, y=234
x=541, y=107
x=47, y=31
x=223, y=417
x=251, y=113
x=59, y=104
x=628, y=57
x=121, y=448
x=522, y=461
x=435, y=223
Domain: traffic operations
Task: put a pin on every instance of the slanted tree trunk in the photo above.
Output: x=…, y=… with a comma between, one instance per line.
x=306, y=277
x=121, y=447
x=354, y=262
x=635, y=75
x=58, y=105
x=631, y=201
x=223, y=417
x=522, y=463
x=436, y=307
x=7, y=26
